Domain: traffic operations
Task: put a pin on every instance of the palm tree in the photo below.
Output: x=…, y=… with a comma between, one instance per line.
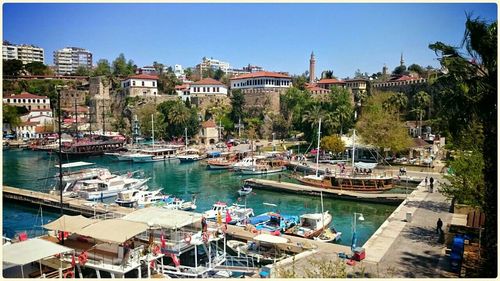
x=397, y=102
x=421, y=101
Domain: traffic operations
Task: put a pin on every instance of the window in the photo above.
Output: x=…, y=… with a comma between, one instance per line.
x=39, y=108
x=154, y=84
x=217, y=89
x=154, y=92
x=24, y=100
x=143, y=83
x=204, y=89
x=133, y=83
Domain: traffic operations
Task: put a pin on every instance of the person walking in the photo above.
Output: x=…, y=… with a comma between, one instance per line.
x=432, y=184
x=439, y=225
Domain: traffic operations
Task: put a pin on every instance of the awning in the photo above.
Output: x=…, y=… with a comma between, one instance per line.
x=72, y=224
x=270, y=239
x=29, y=251
x=113, y=230
x=363, y=165
x=164, y=218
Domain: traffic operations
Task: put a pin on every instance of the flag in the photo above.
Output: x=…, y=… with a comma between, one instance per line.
x=228, y=217
x=219, y=218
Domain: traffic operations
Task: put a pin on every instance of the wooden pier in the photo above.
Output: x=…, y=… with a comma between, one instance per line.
x=385, y=198
x=52, y=201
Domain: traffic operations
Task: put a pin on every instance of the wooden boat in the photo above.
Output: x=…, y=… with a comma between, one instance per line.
x=273, y=222
x=364, y=183
x=221, y=163
x=190, y=155
x=264, y=249
x=264, y=166
x=90, y=148
x=311, y=225
x=328, y=236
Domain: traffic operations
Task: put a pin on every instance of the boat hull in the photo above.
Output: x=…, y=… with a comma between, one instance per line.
x=380, y=185
x=247, y=171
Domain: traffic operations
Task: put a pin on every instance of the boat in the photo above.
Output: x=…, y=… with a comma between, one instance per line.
x=139, y=198
x=328, y=236
x=264, y=248
x=361, y=179
x=221, y=163
x=261, y=170
x=273, y=222
x=75, y=173
x=90, y=148
x=153, y=154
x=108, y=187
x=174, y=203
x=246, y=162
x=311, y=225
x=245, y=190
x=238, y=213
x=190, y=155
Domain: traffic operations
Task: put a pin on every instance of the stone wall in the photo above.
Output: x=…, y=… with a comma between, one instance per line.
x=70, y=96
x=262, y=99
x=204, y=102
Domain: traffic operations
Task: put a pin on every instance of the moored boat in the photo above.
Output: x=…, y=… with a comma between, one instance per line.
x=109, y=187
x=264, y=249
x=328, y=236
x=190, y=155
x=139, y=198
x=245, y=190
x=273, y=222
x=311, y=225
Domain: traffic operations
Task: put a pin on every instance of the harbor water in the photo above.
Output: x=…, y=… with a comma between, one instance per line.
x=35, y=170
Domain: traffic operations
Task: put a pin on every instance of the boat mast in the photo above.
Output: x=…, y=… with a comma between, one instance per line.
x=322, y=212
x=353, y=148
x=76, y=120
x=153, y=130
x=60, y=156
x=317, y=149
x=103, y=118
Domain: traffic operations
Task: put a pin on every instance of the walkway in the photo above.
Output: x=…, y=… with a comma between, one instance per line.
x=410, y=249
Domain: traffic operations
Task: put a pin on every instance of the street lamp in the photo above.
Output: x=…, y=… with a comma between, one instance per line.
x=354, y=238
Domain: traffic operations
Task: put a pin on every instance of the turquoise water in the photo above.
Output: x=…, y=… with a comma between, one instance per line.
x=30, y=170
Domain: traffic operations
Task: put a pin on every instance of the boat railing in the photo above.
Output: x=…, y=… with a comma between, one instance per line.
x=111, y=260
x=109, y=215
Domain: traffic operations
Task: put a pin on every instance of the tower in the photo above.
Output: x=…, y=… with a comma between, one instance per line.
x=402, y=61
x=312, y=65
x=384, y=70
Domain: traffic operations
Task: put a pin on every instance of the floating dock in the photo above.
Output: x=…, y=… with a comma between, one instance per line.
x=385, y=198
x=70, y=205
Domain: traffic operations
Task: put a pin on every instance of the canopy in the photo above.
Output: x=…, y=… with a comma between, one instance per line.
x=29, y=251
x=71, y=224
x=165, y=218
x=270, y=239
x=113, y=230
x=362, y=165
x=75, y=164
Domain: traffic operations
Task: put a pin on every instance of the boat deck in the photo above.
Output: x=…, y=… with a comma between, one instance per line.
x=386, y=198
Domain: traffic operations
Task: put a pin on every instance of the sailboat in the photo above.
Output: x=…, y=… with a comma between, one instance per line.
x=153, y=154
x=190, y=155
x=361, y=179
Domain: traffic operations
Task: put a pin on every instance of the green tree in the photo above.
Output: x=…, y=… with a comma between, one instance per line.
x=466, y=183
x=12, y=67
x=300, y=81
x=341, y=106
x=421, y=101
x=218, y=74
x=36, y=68
x=327, y=74
x=417, y=68
x=82, y=71
x=10, y=116
x=293, y=103
x=189, y=73
x=470, y=85
x=102, y=69
x=120, y=66
x=176, y=116
x=380, y=127
x=279, y=126
x=158, y=67
x=167, y=82
x=333, y=144
x=399, y=70
x=237, y=106
x=396, y=103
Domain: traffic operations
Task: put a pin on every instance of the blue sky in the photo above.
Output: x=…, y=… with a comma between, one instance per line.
x=279, y=37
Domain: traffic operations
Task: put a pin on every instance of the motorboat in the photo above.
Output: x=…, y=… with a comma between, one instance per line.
x=154, y=154
x=261, y=170
x=238, y=213
x=311, y=225
x=245, y=190
x=108, y=187
x=190, y=155
x=328, y=236
x=139, y=198
x=273, y=222
x=174, y=203
x=246, y=162
x=263, y=248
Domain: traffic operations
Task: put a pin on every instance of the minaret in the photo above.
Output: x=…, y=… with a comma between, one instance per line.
x=384, y=70
x=312, y=65
x=402, y=61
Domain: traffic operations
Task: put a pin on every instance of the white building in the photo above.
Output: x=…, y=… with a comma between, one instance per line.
x=140, y=85
x=207, y=86
x=28, y=100
x=24, y=53
x=67, y=60
x=212, y=63
x=183, y=91
x=42, y=116
x=261, y=80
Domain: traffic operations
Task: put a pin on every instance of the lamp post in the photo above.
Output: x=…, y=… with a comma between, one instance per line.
x=354, y=238
x=274, y=147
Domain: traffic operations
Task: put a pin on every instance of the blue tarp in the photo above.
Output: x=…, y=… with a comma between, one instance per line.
x=214, y=153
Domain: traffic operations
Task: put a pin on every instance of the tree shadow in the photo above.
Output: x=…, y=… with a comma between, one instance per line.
x=422, y=234
x=430, y=205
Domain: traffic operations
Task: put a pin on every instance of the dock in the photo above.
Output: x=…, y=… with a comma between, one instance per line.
x=385, y=198
x=52, y=201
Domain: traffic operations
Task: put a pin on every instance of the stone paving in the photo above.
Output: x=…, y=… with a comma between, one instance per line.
x=411, y=249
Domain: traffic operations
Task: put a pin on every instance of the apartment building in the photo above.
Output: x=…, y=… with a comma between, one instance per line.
x=67, y=60
x=24, y=53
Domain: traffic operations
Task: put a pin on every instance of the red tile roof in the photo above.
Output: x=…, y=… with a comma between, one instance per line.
x=402, y=78
x=42, y=109
x=330, y=81
x=207, y=81
x=29, y=123
x=143, y=77
x=261, y=74
x=26, y=95
x=210, y=123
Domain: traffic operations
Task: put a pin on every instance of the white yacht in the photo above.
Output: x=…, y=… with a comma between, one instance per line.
x=247, y=162
x=153, y=154
x=238, y=213
x=139, y=198
x=190, y=155
x=109, y=187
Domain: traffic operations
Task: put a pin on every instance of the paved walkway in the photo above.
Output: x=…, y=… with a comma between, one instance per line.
x=410, y=249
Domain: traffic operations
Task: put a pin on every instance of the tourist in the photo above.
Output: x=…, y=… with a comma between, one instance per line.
x=439, y=226
x=425, y=181
x=432, y=184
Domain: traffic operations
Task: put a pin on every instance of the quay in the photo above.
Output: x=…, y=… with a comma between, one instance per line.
x=385, y=198
x=52, y=201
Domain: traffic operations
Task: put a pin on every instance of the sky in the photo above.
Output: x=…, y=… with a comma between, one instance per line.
x=278, y=37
